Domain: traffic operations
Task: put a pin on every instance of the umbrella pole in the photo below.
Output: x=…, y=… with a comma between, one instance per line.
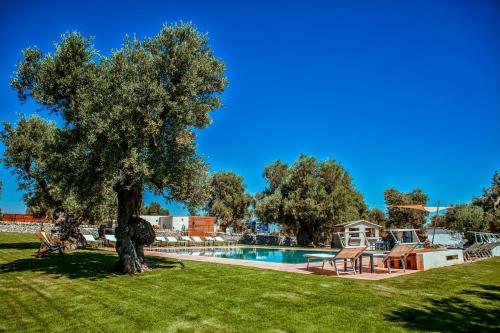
x=434, y=224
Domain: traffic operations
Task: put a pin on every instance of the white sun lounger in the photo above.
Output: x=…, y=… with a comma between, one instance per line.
x=110, y=239
x=172, y=239
x=220, y=239
x=187, y=239
x=91, y=240
x=159, y=240
x=198, y=240
x=321, y=256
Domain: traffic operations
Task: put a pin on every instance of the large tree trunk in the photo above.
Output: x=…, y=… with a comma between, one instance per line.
x=69, y=230
x=305, y=235
x=132, y=232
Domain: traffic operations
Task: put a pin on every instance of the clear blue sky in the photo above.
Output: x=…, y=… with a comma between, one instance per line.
x=403, y=94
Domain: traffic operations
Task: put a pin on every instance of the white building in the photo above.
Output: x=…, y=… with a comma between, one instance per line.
x=350, y=233
x=154, y=220
x=178, y=223
x=443, y=236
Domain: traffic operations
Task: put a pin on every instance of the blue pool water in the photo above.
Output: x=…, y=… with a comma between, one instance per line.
x=247, y=253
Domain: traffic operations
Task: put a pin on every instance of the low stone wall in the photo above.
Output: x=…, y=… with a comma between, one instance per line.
x=275, y=240
x=32, y=227
x=250, y=239
x=25, y=227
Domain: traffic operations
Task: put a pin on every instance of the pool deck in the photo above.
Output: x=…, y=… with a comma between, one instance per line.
x=314, y=268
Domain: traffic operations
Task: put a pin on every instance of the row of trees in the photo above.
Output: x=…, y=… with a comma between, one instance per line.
x=482, y=214
x=127, y=123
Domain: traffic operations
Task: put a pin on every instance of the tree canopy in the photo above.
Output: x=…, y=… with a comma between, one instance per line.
x=404, y=217
x=154, y=208
x=377, y=216
x=228, y=200
x=490, y=203
x=129, y=119
x=465, y=218
x=309, y=197
x=30, y=151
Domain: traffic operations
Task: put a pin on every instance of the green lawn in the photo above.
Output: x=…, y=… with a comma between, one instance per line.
x=78, y=292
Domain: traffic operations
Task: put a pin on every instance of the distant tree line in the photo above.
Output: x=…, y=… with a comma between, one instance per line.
x=128, y=123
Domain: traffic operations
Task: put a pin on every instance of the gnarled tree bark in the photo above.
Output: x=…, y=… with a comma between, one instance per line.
x=132, y=232
x=69, y=230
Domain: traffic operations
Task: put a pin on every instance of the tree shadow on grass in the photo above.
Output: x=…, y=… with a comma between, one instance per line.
x=19, y=246
x=479, y=313
x=90, y=265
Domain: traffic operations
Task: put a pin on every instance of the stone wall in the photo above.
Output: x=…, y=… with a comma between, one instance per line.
x=31, y=228
x=275, y=240
x=250, y=239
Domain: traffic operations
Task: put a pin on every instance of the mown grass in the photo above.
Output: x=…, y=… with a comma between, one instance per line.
x=78, y=292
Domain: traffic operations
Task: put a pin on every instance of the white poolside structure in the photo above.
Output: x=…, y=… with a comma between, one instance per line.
x=442, y=236
x=353, y=230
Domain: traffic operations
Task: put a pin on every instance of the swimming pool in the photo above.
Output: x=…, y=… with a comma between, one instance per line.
x=285, y=256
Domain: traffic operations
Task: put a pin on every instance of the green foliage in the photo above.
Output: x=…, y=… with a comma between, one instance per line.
x=377, y=216
x=490, y=203
x=228, y=200
x=130, y=118
x=30, y=153
x=230, y=298
x=154, y=209
x=465, y=218
x=309, y=197
x=404, y=217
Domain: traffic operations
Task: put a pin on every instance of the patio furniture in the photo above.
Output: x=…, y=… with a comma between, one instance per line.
x=350, y=252
x=187, y=239
x=321, y=256
x=48, y=245
x=459, y=245
x=485, y=250
x=197, y=240
x=172, y=239
x=220, y=239
x=110, y=239
x=471, y=252
x=399, y=253
x=406, y=241
x=159, y=240
x=92, y=241
x=209, y=239
x=371, y=256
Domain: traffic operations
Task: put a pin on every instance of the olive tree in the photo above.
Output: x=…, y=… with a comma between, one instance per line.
x=309, y=197
x=29, y=153
x=128, y=119
x=228, y=200
x=403, y=217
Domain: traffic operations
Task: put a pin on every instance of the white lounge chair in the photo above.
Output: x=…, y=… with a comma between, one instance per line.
x=348, y=253
x=92, y=241
x=220, y=239
x=320, y=256
x=198, y=240
x=173, y=240
x=187, y=239
x=110, y=239
x=209, y=240
x=159, y=240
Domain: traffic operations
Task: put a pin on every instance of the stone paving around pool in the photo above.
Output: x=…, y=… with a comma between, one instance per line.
x=314, y=268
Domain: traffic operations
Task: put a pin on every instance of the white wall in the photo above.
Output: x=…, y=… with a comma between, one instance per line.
x=444, y=237
x=179, y=223
x=152, y=219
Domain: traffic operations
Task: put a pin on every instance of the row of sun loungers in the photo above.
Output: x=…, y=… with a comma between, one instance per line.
x=161, y=240
x=351, y=255
x=479, y=251
x=194, y=240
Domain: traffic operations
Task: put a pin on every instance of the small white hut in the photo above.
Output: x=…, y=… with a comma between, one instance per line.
x=348, y=232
